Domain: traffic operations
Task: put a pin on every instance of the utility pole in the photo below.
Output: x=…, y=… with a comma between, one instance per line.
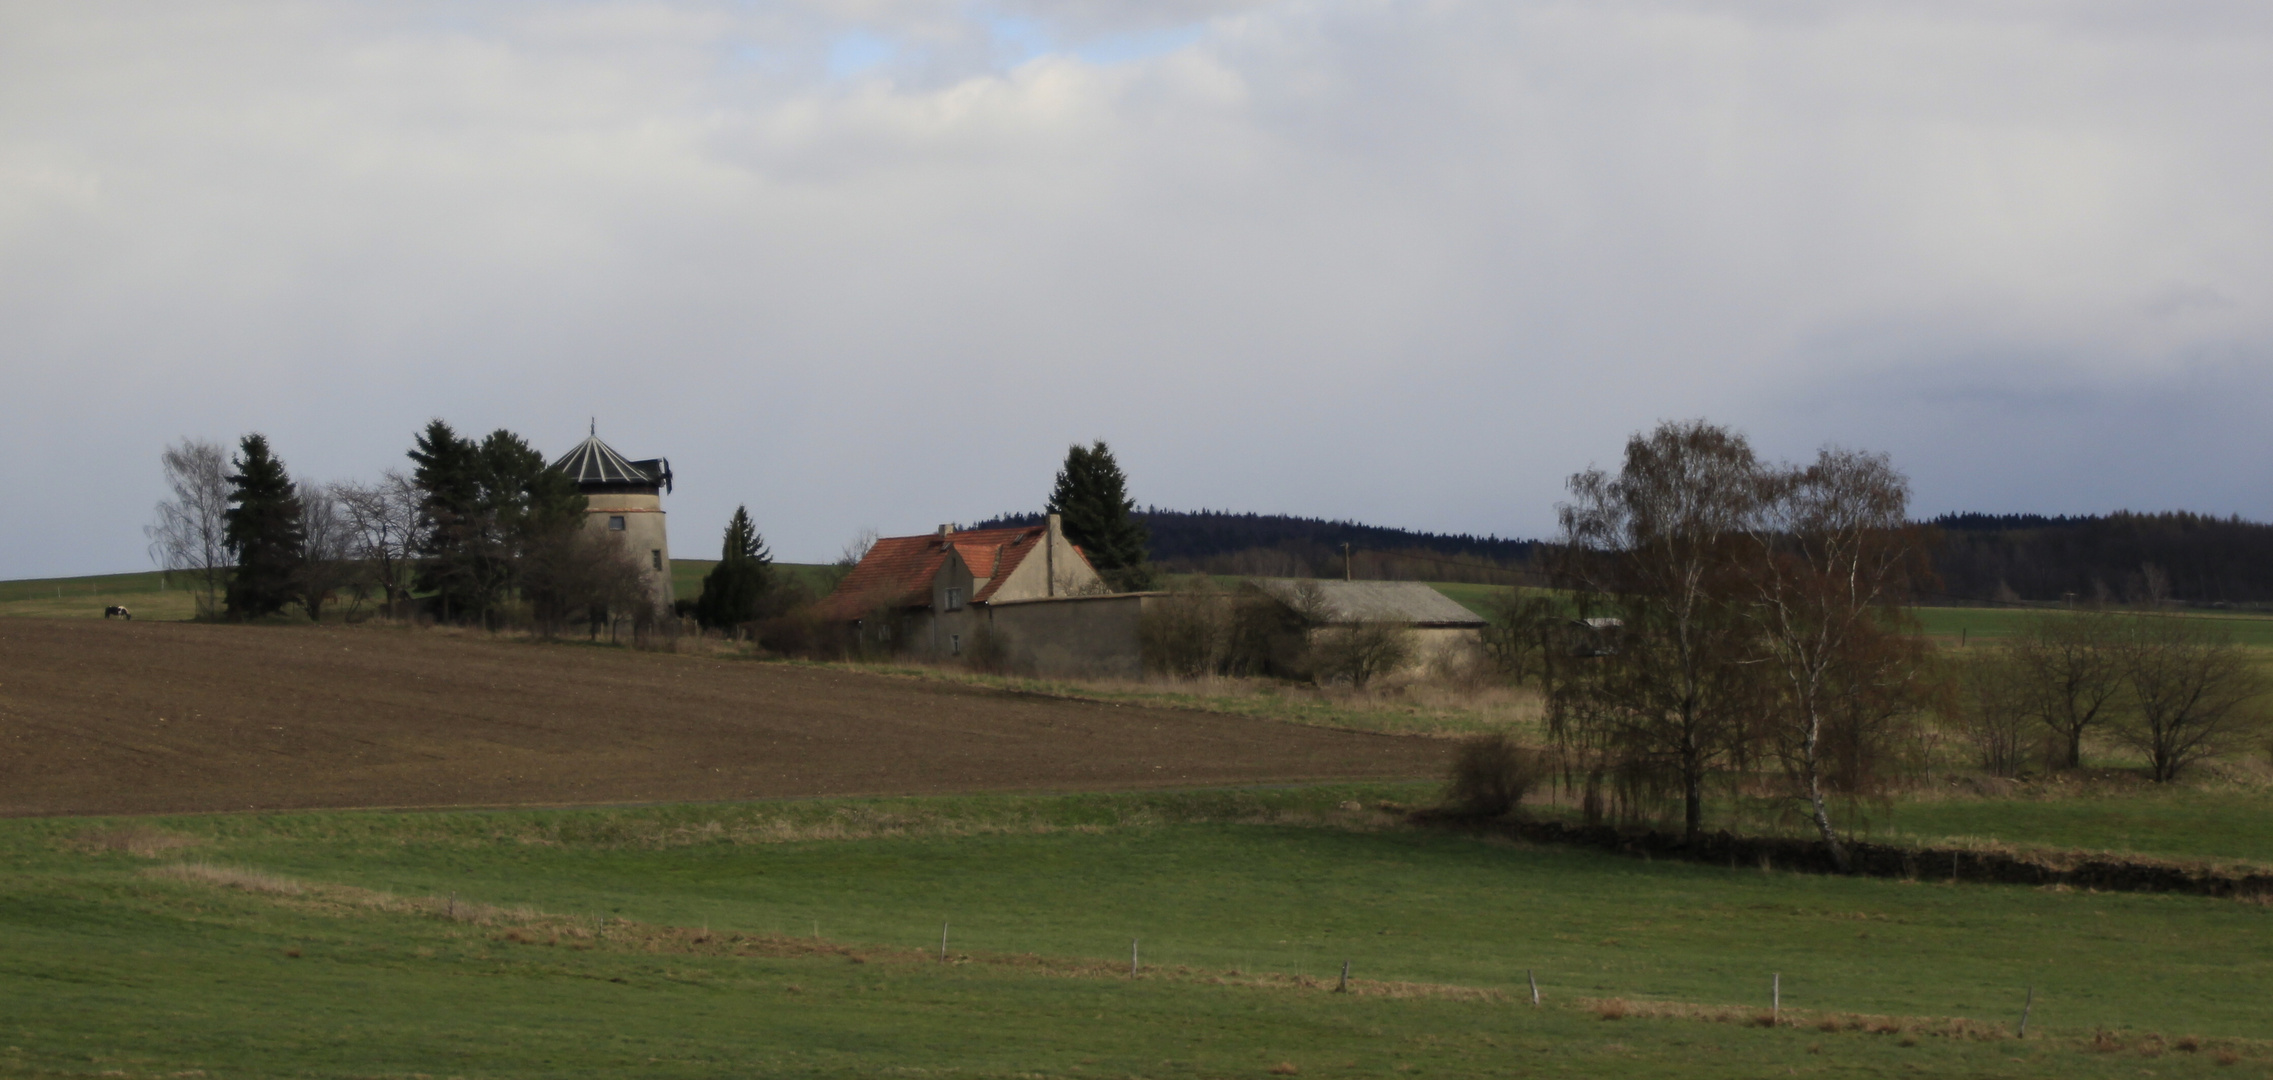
x=1346, y=576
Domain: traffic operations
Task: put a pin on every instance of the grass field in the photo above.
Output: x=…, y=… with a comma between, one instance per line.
x=373, y=943
x=2182, y=822
x=1951, y=625
x=147, y=595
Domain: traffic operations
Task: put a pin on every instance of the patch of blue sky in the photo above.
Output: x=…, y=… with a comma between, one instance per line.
x=857, y=52
x=1018, y=40
x=1124, y=48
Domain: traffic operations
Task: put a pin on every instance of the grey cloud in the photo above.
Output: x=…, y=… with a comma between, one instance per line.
x=1412, y=263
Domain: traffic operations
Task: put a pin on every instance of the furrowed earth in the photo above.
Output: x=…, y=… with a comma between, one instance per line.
x=109, y=718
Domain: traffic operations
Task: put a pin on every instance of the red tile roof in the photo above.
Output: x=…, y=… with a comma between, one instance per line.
x=898, y=570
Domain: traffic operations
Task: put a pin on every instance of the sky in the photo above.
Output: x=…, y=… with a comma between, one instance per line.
x=877, y=263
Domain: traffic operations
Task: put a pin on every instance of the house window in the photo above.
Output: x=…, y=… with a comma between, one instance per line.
x=657, y=555
x=615, y=522
x=954, y=599
x=955, y=642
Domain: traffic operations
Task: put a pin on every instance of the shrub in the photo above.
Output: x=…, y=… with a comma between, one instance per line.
x=1182, y=634
x=1491, y=774
x=1361, y=653
x=987, y=650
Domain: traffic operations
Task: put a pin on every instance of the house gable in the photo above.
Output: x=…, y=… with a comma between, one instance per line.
x=903, y=572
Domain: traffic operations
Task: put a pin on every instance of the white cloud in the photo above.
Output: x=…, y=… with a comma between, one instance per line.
x=1406, y=262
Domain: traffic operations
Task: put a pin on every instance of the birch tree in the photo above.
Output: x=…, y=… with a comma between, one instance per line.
x=190, y=538
x=1833, y=561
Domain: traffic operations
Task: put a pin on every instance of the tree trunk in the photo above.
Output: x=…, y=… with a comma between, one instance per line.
x=1812, y=762
x=1693, y=808
x=2076, y=747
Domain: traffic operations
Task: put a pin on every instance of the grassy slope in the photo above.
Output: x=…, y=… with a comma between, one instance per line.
x=2181, y=822
x=103, y=967
x=85, y=597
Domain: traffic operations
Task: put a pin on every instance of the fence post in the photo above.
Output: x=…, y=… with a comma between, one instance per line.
x=1344, y=988
x=1533, y=977
x=2024, y=1008
x=1132, y=956
x=1775, y=999
x=942, y=942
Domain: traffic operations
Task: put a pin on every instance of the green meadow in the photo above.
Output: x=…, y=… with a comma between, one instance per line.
x=803, y=939
x=148, y=595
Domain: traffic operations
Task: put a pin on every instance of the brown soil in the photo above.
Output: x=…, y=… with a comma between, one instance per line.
x=103, y=717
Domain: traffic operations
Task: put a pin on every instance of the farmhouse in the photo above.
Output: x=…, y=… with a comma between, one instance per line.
x=1027, y=593
x=624, y=502
x=1028, y=600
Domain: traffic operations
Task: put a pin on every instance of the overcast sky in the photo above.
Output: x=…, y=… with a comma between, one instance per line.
x=877, y=262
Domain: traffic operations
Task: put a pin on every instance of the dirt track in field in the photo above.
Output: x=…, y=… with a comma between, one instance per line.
x=104, y=717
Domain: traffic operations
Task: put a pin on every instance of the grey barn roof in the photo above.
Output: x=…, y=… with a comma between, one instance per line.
x=1374, y=601
x=596, y=463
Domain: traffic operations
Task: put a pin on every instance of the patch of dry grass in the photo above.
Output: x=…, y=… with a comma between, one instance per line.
x=142, y=841
x=228, y=877
x=1951, y=1027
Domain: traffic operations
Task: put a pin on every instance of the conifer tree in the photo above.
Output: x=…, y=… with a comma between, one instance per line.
x=263, y=532
x=1091, y=496
x=486, y=506
x=734, y=591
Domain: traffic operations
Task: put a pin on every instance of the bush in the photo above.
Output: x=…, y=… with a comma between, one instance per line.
x=1182, y=634
x=987, y=650
x=1491, y=774
x=1361, y=653
x=1991, y=710
x=1522, y=633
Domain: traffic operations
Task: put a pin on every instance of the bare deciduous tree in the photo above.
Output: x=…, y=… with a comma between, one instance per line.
x=2193, y=692
x=190, y=537
x=1833, y=565
x=1993, y=707
x=573, y=576
x=1522, y=634
x=382, y=523
x=1653, y=549
x=854, y=550
x=326, y=547
x=2071, y=669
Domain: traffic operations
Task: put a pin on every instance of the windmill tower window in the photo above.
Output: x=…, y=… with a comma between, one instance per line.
x=657, y=555
x=615, y=522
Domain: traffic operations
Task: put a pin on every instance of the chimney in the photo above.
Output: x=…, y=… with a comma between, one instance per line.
x=946, y=533
x=1050, y=535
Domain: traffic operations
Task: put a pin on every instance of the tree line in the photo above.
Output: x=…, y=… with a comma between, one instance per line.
x=2139, y=559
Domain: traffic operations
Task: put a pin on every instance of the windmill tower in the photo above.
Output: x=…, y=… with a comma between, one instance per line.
x=624, y=501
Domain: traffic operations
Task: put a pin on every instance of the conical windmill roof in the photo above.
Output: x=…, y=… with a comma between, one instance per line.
x=596, y=463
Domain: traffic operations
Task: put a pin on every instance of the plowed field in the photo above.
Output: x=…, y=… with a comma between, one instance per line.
x=104, y=717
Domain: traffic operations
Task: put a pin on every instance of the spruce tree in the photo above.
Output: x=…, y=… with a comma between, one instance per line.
x=734, y=591
x=263, y=532
x=452, y=526
x=1091, y=497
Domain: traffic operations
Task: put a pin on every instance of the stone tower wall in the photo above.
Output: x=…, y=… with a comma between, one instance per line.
x=643, y=535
